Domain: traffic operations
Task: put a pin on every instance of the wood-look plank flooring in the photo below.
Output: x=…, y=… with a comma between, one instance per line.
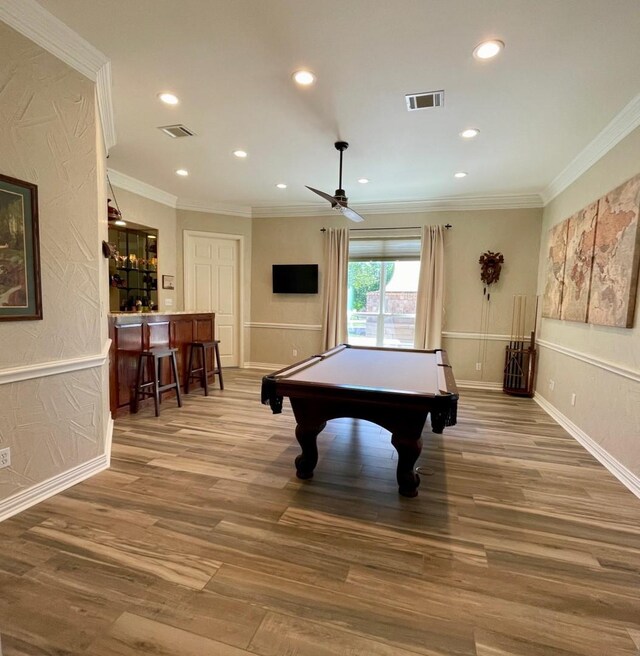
x=201, y=541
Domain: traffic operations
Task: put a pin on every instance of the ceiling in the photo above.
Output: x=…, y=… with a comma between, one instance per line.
x=568, y=68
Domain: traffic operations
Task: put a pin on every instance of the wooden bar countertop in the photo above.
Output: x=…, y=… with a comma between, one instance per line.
x=133, y=332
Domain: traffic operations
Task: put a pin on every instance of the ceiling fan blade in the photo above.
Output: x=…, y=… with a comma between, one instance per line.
x=331, y=199
x=350, y=214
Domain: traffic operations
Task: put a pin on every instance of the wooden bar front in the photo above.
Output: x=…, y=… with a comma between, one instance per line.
x=132, y=333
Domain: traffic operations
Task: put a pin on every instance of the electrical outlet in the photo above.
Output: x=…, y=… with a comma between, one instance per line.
x=5, y=458
x=573, y=399
x=294, y=352
x=168, y=302
x=552, y=384
x=478, y=366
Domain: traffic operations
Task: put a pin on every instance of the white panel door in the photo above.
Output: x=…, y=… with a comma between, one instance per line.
x=211, y=284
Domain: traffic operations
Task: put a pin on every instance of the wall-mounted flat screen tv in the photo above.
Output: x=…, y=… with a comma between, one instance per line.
x=295, y=278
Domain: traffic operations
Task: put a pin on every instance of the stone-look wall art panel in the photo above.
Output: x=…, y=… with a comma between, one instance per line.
x=554, y=270
x=616, y=256
x=577, y=269
x=51, y=425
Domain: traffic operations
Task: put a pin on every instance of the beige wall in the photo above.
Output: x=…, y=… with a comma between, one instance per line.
x=515, y=233
x=152, y=214
x=49, y=136
x=607, y=405
x=229, y=225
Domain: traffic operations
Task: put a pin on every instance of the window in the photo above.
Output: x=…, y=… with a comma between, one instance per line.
x=383, y=286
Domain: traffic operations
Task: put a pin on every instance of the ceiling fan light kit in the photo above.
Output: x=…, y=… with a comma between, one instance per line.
x=339, y=200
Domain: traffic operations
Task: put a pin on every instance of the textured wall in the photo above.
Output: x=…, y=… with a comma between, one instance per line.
x=515, y=233
x=607, y=405
x=152, y=214
x=48, y=136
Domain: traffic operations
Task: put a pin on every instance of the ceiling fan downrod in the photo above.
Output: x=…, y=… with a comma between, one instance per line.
x=340, y=193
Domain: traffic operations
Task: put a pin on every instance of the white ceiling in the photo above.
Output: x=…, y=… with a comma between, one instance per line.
x=569, y=67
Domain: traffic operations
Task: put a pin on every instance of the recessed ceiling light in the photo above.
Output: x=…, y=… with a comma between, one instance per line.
x=183, y=172
x=304, y=77
x=281, y=185
x=120, y=222
x=240, y=153
x=363, y=180
x=470, y=133
x=168, y=98
x=460, y=174
x=488, y=49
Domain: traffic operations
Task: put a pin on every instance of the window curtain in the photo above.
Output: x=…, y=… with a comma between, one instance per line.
x=336, y=267
x=429, y=306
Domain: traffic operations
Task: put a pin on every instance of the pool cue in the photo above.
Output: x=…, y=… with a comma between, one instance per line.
x=510, y=360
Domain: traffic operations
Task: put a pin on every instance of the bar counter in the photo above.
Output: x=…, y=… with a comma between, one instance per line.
x=133, y=332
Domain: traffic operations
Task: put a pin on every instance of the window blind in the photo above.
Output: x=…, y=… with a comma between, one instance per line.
x=384, y=248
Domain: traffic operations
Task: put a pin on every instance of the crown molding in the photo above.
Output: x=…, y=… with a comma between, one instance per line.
x=37, y=24
x=215, y=208
x=443, y=204
x=135, y=186
x=623, y=123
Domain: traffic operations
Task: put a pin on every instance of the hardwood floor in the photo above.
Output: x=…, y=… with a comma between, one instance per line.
x=200, y=541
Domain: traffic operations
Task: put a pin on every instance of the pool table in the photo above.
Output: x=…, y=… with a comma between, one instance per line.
x=393, y=388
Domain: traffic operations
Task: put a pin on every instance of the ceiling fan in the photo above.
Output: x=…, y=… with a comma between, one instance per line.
x=339, y=201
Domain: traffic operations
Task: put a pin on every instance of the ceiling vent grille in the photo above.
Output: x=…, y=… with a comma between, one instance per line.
x=175, y=131
x=427, y=100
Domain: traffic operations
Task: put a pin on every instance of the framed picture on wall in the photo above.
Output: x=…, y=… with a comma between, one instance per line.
x=168, y=282
x=20, y=294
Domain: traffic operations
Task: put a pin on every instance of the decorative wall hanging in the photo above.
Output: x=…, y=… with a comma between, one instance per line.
x=581, y=234
x=20, y=295
x=168, y=282
x=593, y=260
x=616, y=254
x=554, y=271
x=490, y=268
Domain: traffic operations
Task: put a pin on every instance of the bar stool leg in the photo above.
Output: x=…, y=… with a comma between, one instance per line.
x=174, y=366
x=136, y=398
x=204, y=375
x=188, y=377
x=156, y=385
x=219, y=366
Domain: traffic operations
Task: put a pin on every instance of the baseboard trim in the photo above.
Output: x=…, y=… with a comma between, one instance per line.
x=479, y=384
x=624, y=475
x=263, y=365
x=42, y=491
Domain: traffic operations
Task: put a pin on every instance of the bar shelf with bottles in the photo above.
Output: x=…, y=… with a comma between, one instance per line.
x=133, y=270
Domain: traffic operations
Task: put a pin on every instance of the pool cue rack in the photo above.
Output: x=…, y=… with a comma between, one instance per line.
x=520, y=355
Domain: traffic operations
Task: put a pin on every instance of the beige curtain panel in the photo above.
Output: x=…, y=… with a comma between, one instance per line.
x=429, y=307
x=336, y=267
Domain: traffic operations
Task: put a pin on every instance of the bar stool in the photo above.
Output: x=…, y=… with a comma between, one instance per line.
x=155, y=357
x=201, y=372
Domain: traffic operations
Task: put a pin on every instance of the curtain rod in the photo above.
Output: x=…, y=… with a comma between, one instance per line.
x=447, y=226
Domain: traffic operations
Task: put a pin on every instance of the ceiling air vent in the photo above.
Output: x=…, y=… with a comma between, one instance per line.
x=175, y=131
x=425, y=100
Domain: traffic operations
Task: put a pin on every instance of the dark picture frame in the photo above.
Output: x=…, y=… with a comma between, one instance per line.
x=20, y=289
x=169, y=282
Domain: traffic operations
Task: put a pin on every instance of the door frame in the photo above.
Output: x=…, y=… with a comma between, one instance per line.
x=186, y=234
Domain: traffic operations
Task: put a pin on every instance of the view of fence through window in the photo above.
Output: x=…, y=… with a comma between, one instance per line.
x=382, y=303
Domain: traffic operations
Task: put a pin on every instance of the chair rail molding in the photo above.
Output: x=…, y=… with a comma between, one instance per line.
x=283, y=326
x=54, y=367
x=611, y=367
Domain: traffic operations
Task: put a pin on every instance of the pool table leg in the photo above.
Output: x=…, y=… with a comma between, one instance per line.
x=408, y=452
x=437, y=422
x=306, y=462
